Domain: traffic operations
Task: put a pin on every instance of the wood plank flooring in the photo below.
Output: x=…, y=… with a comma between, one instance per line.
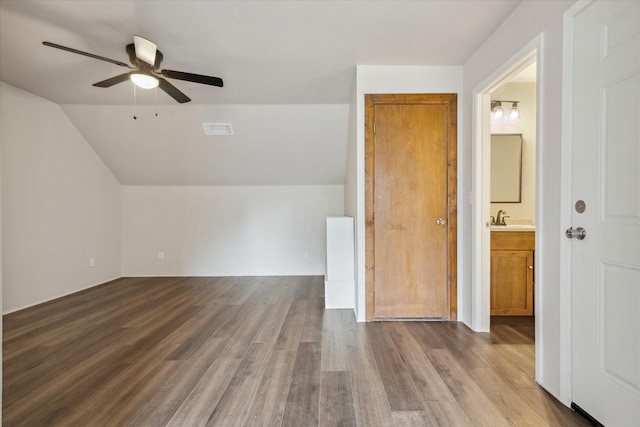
x=258, y=351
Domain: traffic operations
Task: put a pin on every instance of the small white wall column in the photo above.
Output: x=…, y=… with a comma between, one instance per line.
x=339, y=285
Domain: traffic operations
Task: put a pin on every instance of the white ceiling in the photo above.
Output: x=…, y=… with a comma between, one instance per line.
x=271, y=145
x=277, y=58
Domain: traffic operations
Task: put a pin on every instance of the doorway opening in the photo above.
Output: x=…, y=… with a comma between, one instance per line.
x=513, y=201
x=481, y=196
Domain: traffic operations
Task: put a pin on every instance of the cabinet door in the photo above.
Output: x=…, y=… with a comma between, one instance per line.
x=512, y=283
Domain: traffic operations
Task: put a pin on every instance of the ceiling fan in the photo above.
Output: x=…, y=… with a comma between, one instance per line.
x=146, y=60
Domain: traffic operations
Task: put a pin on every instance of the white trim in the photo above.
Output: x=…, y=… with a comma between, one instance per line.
x=566, y=175
x=538, y=261
x=481, y=234
x=481, y=262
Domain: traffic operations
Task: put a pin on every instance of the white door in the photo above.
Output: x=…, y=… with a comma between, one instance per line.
x=606, y=176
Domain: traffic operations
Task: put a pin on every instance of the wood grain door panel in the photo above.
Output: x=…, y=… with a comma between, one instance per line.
x=408, y=171
x=410, y=195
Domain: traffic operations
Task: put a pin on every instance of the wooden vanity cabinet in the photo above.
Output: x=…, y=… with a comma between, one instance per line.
x=512, y=273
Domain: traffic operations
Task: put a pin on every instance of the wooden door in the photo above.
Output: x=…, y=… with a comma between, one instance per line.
x=605, y=321
x=411, y=222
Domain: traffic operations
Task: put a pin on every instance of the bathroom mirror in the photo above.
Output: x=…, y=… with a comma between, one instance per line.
x=506, y=168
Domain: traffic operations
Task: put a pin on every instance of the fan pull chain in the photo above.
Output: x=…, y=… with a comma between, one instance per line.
x=135, y=104
x=155, y=92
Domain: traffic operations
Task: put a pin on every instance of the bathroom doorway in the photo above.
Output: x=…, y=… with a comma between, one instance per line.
x=481, y=197
x=513, y=200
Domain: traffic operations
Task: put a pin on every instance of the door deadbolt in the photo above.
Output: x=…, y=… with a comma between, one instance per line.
x=577, y=233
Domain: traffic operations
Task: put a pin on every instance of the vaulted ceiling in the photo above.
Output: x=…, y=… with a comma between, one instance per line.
x=288, y=69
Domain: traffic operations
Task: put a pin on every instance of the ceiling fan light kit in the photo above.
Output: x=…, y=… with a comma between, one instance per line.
x=144, y=81
x=146, y=60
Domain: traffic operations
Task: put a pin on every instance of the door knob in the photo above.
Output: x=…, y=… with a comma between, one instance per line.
x=441, y=221
x=577, y=233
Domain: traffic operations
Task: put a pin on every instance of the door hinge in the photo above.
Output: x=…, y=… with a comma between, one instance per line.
x=374, y=127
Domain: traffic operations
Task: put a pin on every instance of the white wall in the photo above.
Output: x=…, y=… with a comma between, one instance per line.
x=226, y=230
x=529, y=20
x=60, y=205
x=526, y=125
x=392, y=79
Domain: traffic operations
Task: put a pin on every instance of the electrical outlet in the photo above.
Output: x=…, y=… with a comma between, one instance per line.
x=306, y=254
x=160, y=255
x=92, y=262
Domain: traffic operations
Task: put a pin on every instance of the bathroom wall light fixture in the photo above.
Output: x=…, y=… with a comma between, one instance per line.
x=498, y=111
x=515, y=112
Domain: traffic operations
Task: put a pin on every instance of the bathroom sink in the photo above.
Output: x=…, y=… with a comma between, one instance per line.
x=513, y=227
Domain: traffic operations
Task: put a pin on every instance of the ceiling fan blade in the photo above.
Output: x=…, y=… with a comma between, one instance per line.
x=131, y=51
x=113, y=80
x=145, y=50
x=90, y=55
x=159, y=57
x=190, y=77
x=173, y=91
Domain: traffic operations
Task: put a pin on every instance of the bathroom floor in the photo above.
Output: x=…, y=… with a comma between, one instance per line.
x=523, y=324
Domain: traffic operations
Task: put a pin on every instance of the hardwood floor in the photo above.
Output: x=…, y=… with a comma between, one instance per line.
x=260, y=352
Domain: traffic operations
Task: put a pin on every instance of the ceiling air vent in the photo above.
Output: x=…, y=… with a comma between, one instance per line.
x=217, y=128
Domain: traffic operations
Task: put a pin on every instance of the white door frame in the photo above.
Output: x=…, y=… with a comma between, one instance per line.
x=481, y=140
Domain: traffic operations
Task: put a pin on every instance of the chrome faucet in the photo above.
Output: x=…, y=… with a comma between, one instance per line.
x=500, y=217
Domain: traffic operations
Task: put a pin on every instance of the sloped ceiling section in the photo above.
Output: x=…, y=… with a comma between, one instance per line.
x=271, y=145
x=288, y=70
